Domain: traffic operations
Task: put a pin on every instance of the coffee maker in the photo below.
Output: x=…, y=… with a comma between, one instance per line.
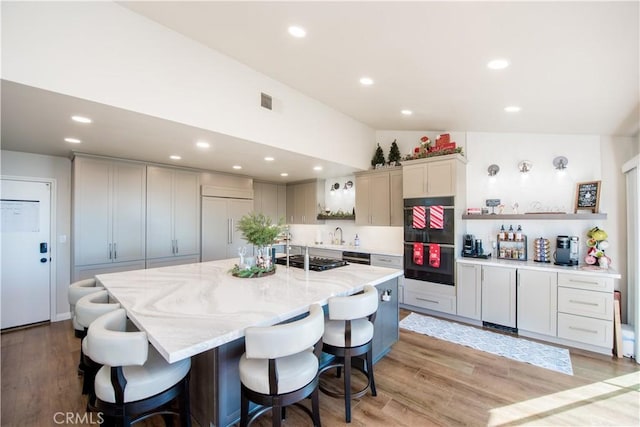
x=566, y=250
x=468, y=245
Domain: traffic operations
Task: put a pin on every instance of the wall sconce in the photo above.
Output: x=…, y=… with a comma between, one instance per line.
x=560, y=163
x=525, y=166
x=493, y=170
x=347, y=186
x=334, y=187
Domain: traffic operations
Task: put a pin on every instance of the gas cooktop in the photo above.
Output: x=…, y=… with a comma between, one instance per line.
x=315, y=263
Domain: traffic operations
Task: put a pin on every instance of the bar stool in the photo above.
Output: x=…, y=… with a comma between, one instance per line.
x=88, y=309
x=348, y=334
x=136, y=382
x=76, y=291
x=279, y=369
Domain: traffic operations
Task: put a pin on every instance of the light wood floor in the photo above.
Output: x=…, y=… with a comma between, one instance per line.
x=421, y=382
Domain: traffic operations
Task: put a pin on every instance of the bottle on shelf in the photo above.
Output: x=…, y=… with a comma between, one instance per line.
x=356, y=241
x=501, y=235
x=510, y=233
x=519, y=234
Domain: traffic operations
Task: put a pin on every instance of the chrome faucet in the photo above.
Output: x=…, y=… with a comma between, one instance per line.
x=339, y=241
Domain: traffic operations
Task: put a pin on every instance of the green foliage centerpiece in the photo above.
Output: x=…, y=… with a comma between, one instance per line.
x=260, y=231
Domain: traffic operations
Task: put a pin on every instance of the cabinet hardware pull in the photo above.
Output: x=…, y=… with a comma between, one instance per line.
x=428, y=300
x=229, y=230
x=177, y=250
x=115, y=251
x=591, y=331
x=583, y=302
x=587, y=282
x=110, y=252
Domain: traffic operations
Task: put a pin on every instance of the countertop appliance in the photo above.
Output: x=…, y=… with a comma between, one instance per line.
x=356, y=257
x=315, y=263
x=566, y=250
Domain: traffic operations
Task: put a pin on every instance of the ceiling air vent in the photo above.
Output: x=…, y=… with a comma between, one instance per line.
x=266, y=101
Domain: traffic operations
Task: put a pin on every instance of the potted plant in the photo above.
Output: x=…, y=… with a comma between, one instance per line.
x=260, y=231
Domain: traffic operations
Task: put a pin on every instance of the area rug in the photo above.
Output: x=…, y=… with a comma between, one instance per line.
x=522, y=350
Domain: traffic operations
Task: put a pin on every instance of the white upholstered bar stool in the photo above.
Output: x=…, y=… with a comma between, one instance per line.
x=279, y=369
x=348, y=334
x=76, y=291
x=136, y=382
x=88, y=309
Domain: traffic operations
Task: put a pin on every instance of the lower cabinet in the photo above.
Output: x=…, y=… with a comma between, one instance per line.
x=537, y=301
x=430, y=296
x=499, y=295
x=585, y=309
x=386, y=332
x=469, y=289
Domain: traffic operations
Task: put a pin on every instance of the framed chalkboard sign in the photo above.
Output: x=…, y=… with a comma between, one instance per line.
x=588, y=196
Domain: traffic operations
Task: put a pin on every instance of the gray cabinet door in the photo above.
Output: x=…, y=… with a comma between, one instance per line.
x=386, y=331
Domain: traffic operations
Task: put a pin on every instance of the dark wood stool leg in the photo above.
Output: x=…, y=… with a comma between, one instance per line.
x=370, y=372
x=347, y=388
x=244, y=410
x=185, y=405
x=315, y=407
x=276, y=416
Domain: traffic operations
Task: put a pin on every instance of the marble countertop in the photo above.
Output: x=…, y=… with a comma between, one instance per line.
x=532, y=265
x=188, y=309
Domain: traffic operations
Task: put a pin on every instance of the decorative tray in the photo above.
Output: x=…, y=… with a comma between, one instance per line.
x=253, y=272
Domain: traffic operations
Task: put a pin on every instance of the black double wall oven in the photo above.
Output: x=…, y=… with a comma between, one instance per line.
x=429, y=237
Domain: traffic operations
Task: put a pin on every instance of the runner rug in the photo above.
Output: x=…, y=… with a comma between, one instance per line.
x=522, y=350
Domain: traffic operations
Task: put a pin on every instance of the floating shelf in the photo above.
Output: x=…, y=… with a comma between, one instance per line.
x=342, y=217
x=545, y=215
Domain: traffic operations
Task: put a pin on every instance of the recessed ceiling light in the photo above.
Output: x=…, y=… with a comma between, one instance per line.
x=202, y=144
x=269, y=159
x=298, y=32
x=81, y=119
x=406, y=112
x=512, y=109
x=498, y=64
x=175, y=157
x=317, y=168
x=367, y=81
x=73, y=140
x=284, y=174
x=237, y=167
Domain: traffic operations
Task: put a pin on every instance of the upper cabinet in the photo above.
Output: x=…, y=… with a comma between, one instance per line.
x=433, y=176
x=379, y=197
x=173, y=213
x=108, y=211
x=303, y=200
x=270, y=199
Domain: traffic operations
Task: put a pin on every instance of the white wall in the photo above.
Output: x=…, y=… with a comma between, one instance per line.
x=58, y=168
x=105, y=53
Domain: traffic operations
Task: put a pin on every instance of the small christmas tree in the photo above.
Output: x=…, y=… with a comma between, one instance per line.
x=378, y=157
x=394, y=153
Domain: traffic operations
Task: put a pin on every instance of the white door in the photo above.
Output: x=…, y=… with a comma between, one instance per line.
x=26, y=255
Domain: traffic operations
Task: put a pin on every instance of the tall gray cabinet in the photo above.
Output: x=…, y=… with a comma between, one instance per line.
x=108, y=216
x=173, y=216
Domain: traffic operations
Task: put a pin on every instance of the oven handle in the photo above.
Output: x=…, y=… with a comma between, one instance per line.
x=444, y=245
x=408, y=208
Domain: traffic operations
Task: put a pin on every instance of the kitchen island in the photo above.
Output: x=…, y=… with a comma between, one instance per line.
x=201, y=311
